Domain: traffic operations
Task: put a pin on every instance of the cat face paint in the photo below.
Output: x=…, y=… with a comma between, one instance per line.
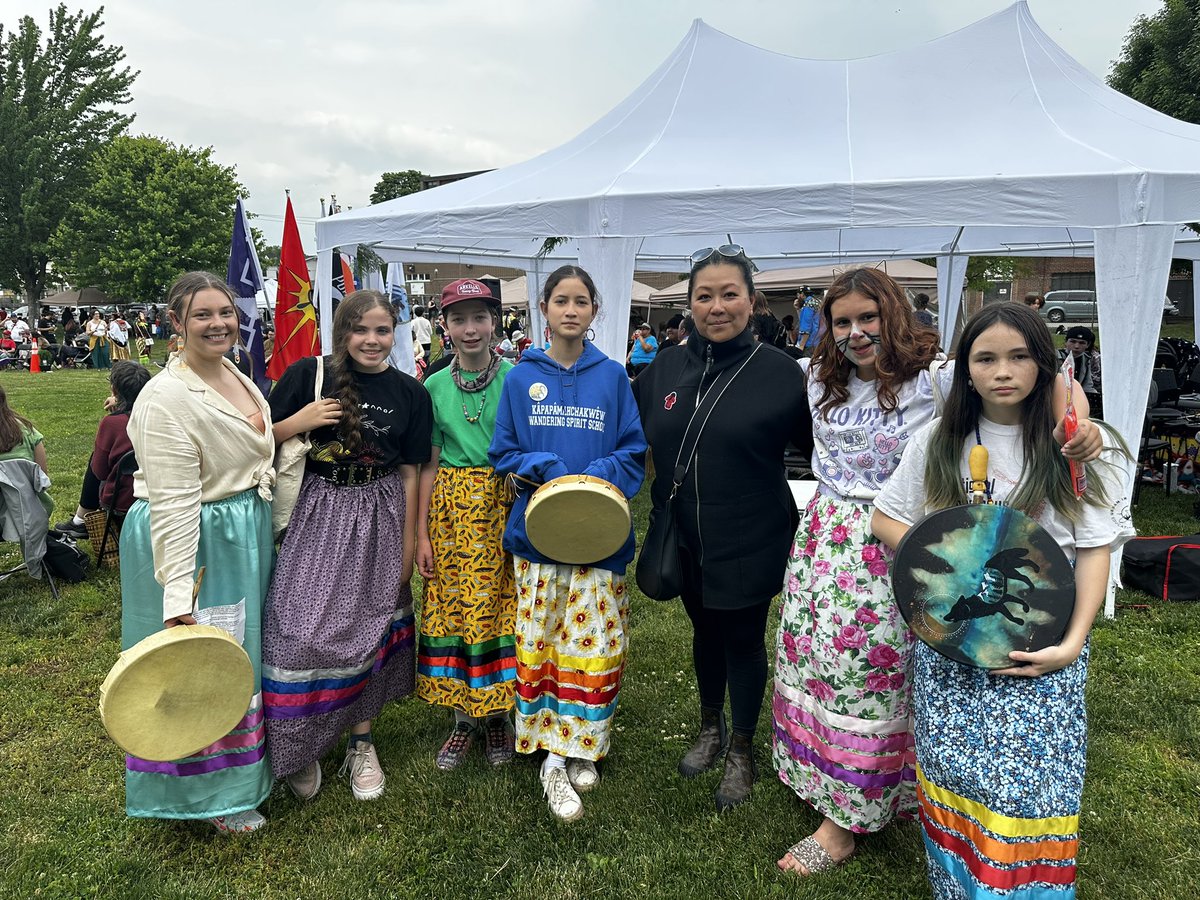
x=857, y=337
x=855, y=326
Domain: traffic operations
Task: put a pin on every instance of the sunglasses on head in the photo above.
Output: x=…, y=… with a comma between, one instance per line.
x=731, y=251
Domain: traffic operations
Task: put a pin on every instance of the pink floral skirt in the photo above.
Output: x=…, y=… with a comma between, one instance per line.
x=843, y=662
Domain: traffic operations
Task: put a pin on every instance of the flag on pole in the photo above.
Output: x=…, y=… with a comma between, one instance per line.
x=246, y=279
x=296, y=334
x=401, y=357
x=343, y=276
x=347, y=274
x=397, y=291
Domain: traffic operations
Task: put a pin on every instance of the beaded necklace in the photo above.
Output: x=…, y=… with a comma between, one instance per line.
x=478, y=386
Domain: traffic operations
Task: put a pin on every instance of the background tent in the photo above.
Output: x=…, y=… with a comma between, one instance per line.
x=81, y=297
x=652, y=180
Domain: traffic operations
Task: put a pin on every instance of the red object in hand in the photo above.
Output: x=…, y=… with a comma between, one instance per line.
x=1071, y=426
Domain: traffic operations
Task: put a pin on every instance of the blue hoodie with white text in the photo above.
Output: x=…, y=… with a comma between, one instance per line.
x=579, y=421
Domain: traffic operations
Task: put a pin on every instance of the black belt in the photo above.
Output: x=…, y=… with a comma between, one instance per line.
x=349, y=474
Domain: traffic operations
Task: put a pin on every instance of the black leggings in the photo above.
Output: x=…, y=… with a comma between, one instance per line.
x=89, y=495
x=728, y=649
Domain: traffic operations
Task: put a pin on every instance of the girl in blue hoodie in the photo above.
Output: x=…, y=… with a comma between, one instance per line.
x=568, y=410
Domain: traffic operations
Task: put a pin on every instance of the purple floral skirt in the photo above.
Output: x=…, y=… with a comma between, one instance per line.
x=843, y=662
x=338, y=631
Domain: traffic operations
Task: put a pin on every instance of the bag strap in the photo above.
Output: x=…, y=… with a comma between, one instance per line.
x=705, y=406
x=939, y=402
x=318, y=385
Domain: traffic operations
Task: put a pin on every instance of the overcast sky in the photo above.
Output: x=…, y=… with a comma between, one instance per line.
x=322, y=98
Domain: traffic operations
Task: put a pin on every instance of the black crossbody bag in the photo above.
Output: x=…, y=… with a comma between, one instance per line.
x=658, y=573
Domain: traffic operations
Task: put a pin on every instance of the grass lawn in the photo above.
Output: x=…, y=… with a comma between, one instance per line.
x=483, y=833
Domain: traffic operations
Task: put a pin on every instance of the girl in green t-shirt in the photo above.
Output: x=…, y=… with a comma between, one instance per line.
x=466, y=655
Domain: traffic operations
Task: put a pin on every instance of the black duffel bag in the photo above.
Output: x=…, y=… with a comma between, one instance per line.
x=1166, y=567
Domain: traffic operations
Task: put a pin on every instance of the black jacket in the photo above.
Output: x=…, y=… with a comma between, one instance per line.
x=736, y=514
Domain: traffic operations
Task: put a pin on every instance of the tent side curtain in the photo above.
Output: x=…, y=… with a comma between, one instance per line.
x=951, y=277
x=1131, y=263
x=610, y=262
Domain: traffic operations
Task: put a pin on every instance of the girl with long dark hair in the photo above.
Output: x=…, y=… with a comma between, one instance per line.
x=568, y=411
x=1003, y=752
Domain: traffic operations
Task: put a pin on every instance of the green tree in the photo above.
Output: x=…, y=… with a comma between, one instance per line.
x=1159, y=64
x=59, y=104
x=396, y=184
x=152, y=210
x=984, y=269
x=269, y=255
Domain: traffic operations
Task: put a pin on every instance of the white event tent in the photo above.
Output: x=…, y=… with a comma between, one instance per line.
x=1030, y=153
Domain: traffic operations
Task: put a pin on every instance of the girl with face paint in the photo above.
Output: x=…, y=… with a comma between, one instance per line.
x=843, y=653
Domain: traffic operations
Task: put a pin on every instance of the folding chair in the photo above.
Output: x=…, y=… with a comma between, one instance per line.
x=114, y=515
x=23, y=518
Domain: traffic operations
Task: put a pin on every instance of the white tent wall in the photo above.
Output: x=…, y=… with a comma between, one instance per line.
x=610, y=262
x=951, y=275
x=535, y=280
x=1130, y=262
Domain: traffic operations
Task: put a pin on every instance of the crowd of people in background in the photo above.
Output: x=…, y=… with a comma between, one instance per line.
x=71, y=337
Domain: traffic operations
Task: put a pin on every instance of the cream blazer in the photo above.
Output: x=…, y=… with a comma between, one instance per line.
x=193, y=446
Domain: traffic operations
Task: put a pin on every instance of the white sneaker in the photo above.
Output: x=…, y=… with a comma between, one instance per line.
x=307, y=781
x=582, y=774
x=366, y=778
x=239, y=823
x=564, y=802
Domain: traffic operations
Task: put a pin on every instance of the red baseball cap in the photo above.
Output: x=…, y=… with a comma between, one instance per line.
x=467, y=289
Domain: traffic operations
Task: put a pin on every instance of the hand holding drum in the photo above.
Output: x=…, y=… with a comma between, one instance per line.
x=177, y=691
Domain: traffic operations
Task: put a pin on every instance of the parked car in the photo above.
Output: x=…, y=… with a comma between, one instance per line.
x=1080, y=306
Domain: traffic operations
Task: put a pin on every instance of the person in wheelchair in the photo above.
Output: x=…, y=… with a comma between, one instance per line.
x=126, y=382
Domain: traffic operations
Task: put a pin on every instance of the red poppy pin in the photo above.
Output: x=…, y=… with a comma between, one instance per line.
x=669, y=400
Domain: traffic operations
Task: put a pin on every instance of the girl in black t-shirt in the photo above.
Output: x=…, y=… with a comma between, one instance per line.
x=338, y=636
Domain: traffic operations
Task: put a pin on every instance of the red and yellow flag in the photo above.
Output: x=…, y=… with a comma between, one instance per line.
x=296, y=334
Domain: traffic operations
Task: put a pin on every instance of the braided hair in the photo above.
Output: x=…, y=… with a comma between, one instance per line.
x=341, y=368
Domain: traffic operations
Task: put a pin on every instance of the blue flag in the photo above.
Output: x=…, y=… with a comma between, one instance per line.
x=397, y=291
x=245, y=277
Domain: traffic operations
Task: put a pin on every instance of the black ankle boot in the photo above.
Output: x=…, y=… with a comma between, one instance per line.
x=710, y=744
x=739, y=776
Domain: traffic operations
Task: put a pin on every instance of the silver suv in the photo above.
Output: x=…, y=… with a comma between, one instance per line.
x=1080, y=306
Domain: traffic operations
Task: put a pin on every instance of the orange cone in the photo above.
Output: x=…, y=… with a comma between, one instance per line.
x=35, y=360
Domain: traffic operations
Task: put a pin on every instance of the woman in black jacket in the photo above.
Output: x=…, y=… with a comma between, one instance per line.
x=735, y=514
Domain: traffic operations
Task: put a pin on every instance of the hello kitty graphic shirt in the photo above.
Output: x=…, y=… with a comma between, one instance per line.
x=857, y=445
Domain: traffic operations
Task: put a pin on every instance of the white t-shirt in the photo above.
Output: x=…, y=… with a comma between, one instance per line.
x=858, y=447
x=904, y=499
x=422, y=331
x=20, y=332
